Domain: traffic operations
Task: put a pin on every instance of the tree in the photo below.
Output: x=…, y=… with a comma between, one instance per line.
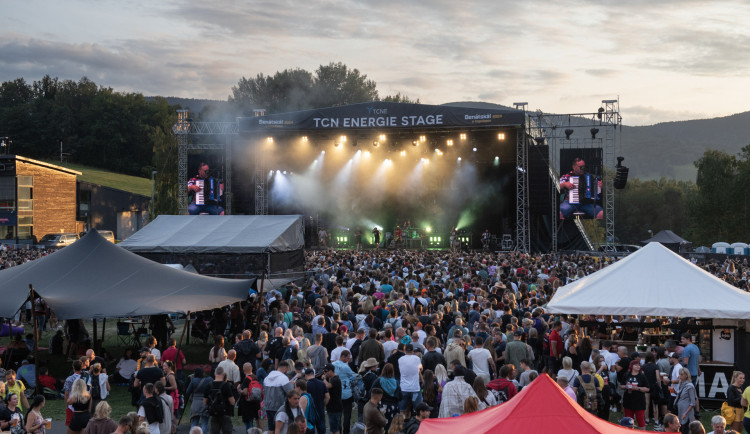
x=335, y=84
x=715, y=210
x=398, y=97
x=288, y=90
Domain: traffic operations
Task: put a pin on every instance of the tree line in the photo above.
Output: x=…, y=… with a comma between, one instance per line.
x=128, y=133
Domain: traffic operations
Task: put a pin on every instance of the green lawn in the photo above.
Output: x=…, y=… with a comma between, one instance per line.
x=133, y=184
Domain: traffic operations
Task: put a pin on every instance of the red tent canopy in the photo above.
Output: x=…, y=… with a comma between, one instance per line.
x=540, y=407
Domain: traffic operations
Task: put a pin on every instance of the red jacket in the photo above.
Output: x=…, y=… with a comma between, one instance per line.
x=503, y=384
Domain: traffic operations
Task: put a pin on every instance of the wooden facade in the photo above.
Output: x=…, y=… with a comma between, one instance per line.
x=53, y=195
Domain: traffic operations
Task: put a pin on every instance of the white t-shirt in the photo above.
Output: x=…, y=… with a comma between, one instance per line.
x=422, y=336
x=281, y=416
x=480, y=360
x=409, y=366
x=126, y=368
x=153, y=428
x=388, y=347
x=336, y=353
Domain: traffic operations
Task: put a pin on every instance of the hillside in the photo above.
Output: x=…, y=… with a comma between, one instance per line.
x=132, y=184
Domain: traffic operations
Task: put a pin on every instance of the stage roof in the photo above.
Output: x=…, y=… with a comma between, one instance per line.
x=378, y=115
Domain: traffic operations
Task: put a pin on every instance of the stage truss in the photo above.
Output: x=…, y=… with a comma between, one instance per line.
x=550, y=128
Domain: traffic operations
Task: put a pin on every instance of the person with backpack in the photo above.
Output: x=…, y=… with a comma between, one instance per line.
x=503, y=388
x=306, y=404
x=220, y=404
x=251, y=395
x=587, y=388
x=150, y=410
x=247, y=350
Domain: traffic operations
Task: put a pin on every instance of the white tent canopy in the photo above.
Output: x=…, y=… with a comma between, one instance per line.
x=652, y=281
x=219, y=234
x=95, y=278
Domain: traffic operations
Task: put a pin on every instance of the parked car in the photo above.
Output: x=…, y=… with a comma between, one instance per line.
x=108, y=235
x=58, y=240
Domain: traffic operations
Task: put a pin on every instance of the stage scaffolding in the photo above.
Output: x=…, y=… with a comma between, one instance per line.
x=550, y=128
x=183, y=129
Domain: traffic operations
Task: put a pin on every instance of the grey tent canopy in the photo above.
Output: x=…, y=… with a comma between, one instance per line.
x=95, y=278
x=219, y=234
x=666, y=237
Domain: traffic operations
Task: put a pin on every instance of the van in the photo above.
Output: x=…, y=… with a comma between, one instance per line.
x=108, y=235
x=57, y=240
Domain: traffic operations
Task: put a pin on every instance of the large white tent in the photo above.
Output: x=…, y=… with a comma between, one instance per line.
x=652, y=281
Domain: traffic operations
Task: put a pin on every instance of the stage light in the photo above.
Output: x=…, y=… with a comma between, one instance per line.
x=342, y=139
x=462, y=136
x=439, y=152
x=375, y=144
x=403, y=153
x=269, y=139
x=304, y=139
x=367, y=154
x=539, y=140
x=414, y=143
x=474, y=149
x=599, y=113
x=428, y=229
x=459, y=159
x=497, y=160
x=449, y=142
x=422, y=139
x=271, y=172
x=284, y=172
x=501, y=136
x=568, y=133
x=594, y=131
x=323, y=152
x=278, y=171
x=381, y=137
x=337, y=144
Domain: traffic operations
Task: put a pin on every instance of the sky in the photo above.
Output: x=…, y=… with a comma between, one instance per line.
x=665, y=60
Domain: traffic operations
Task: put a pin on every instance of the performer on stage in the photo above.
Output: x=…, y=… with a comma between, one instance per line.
x=486, y=237
x=454, y=239
x=398, y=236
x=566, y=208
x=376, y=234
x=206, y=193
x=322, y=238
x=358, y=238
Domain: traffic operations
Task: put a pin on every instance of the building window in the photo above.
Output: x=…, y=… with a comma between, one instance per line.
x=25, y=206
x=7, y=193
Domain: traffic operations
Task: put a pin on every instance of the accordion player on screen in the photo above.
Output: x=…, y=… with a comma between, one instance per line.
x=582, y=192
x=206, y=193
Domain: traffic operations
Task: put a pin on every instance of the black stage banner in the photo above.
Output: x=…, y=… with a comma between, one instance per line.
x=379, y=115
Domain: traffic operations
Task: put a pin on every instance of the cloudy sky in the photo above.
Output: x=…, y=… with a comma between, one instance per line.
x=665, y=60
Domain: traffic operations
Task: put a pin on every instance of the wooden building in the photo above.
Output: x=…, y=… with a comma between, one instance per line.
x=36, y=198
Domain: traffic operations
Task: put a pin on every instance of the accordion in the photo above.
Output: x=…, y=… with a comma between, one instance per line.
x=209, y=191
x=586, y=190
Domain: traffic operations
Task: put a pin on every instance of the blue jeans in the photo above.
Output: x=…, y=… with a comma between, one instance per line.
x=194, y=209
x=407, y=398
x=334, y=422
x=746, y=424
x=591, y=209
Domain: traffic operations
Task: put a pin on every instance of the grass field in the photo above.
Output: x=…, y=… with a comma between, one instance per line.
x=133, y=184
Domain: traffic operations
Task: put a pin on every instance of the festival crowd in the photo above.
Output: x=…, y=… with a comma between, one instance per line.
x=381, y=341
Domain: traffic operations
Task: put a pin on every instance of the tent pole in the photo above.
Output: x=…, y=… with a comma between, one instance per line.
x=36, y=338
x=184, y=330
x=94, y=344
x=257, y=308
x=104, y=325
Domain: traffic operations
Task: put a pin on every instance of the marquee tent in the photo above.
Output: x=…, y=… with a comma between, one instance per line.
x=237, y=245
x=540, y=407
x=95, y=278
x=652, y=281
x=669, y=239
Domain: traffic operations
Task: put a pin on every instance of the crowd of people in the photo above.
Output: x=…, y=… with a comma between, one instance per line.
x=384, y=340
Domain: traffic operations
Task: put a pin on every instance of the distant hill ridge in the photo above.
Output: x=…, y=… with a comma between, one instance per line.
x=666, y=149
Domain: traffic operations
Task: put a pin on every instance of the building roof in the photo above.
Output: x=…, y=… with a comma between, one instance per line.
x=41, y=163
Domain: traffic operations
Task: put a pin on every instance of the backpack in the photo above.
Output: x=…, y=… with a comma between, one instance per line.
x=588, y=395
x=254, y=391
x=501, y=396
x=311, y=414
x=216, y=401
x=96, y=391
x=359, y=393
x=152, y=407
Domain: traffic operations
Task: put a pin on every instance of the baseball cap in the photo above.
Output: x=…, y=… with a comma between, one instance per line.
x=627, y=422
